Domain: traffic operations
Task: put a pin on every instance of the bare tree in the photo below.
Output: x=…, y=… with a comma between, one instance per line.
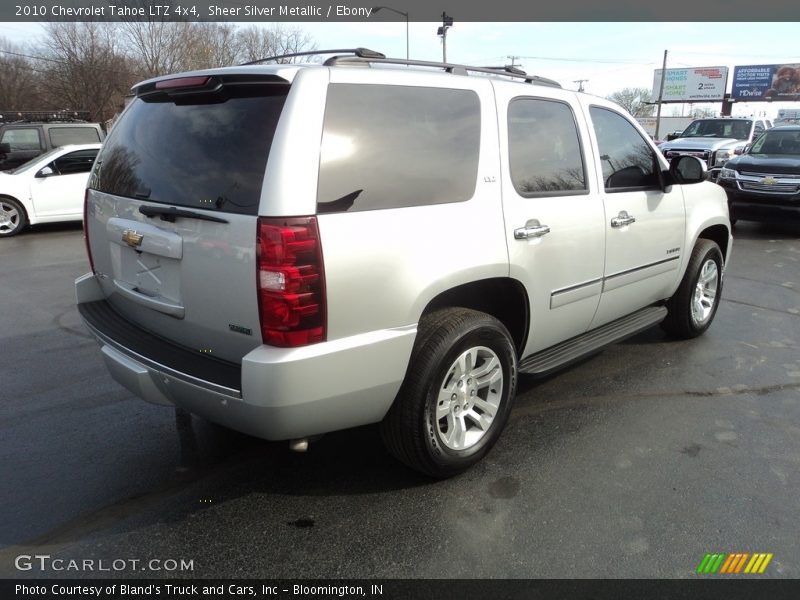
x=157, y=47
x=702, y=113
x=212, y=45
x=635, y=101
x=84, y=68
x=19, y=81
x=260, y=42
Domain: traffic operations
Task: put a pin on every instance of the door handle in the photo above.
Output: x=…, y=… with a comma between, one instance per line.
x=532, y=229
x=622, y=219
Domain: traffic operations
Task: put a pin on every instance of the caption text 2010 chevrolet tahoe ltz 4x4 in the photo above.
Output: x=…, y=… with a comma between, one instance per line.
x=290, y=250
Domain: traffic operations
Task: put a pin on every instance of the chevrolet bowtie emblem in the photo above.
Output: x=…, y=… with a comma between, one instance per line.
x=132, y=237
x=769, y=180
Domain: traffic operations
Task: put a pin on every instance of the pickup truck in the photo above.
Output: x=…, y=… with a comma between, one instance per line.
x=715, y=140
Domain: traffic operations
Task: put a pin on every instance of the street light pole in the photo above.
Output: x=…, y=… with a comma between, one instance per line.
x=399, y=12
x=447, y=23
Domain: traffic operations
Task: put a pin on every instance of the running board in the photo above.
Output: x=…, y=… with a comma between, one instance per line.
x=576, y=348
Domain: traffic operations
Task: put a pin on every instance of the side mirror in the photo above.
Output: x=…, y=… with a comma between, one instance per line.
x=686, y=169
x=744, y=150
x=5, y=148
x=45, y=172
x=674, y=135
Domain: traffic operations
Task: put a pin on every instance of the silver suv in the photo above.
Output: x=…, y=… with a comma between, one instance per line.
x=290, y=250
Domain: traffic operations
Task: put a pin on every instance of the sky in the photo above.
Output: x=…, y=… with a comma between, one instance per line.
x=610, y=56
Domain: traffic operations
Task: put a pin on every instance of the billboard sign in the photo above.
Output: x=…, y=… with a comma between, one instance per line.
x=701, y=84
x=753, y=83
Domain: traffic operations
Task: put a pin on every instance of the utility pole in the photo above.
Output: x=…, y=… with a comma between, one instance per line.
x=513, y=60
x=447, y=23
x=580, y=83
x=661, y=93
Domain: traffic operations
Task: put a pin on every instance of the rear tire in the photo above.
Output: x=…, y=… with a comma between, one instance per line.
x=692, y=308
x=457, y=393
x=13, y=218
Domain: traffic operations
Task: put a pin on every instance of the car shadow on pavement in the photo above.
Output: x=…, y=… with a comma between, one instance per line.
x=752, y=230
x=46, y=228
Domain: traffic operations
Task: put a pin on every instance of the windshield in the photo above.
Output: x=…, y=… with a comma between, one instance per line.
x=778, y=142
x=720, y=128
x=42, y=159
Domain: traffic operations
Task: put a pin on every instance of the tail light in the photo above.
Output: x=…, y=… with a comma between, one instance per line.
x=290, y=281
x=86, y=228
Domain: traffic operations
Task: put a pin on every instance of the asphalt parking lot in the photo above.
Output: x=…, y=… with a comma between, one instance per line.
x=634, y=463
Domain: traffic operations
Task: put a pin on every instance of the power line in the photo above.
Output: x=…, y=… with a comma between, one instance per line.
x=590, y=60
x=58, y=61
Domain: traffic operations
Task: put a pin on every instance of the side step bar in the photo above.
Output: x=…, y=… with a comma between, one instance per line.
x=562, y=354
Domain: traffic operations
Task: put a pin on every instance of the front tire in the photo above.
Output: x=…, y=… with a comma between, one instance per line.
x=692, y=308
x=13, y=218
x=457, y=393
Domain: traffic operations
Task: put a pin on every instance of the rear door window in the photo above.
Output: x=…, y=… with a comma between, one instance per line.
x=204, y=152
x=544, y=150
x=61, y=136
x=394, y=146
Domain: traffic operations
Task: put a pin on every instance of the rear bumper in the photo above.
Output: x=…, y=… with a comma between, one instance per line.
x=276, y=393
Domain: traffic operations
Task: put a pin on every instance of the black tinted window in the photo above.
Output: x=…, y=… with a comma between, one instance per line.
x=61, y=136
x=79, y=161
x=627, y=160
x=22, y=139
x=204, y=152
x=392, y=146
x=543, y=148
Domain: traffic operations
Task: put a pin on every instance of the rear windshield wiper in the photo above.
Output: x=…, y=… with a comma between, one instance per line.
x=169, y=214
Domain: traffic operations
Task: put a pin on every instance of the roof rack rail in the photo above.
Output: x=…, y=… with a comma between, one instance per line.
x=359, y=52
x=367, y=56
x=455, y=68
x=44, y=116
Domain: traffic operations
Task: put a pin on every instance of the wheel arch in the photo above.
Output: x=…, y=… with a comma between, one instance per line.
x=502, y=297
x=719, y=234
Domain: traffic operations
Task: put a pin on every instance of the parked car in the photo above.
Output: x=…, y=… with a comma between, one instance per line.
x=763, y=184
x=393, y=246
x=49, y=188
x=715, y=140
x=35, y=133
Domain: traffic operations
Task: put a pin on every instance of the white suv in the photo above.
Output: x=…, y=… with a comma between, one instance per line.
x=295, y=249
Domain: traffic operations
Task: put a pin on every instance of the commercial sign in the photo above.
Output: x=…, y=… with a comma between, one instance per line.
x=753, y=83
x=701, y=84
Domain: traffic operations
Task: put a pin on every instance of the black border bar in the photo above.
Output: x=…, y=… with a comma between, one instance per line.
x=696, y=588
x=417, y=10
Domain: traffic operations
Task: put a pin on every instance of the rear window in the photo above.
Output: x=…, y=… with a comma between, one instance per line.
x=395, y=146
x=61, y=136
x=206, y=152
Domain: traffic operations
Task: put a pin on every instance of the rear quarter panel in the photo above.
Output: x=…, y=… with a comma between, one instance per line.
x=383, y=267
